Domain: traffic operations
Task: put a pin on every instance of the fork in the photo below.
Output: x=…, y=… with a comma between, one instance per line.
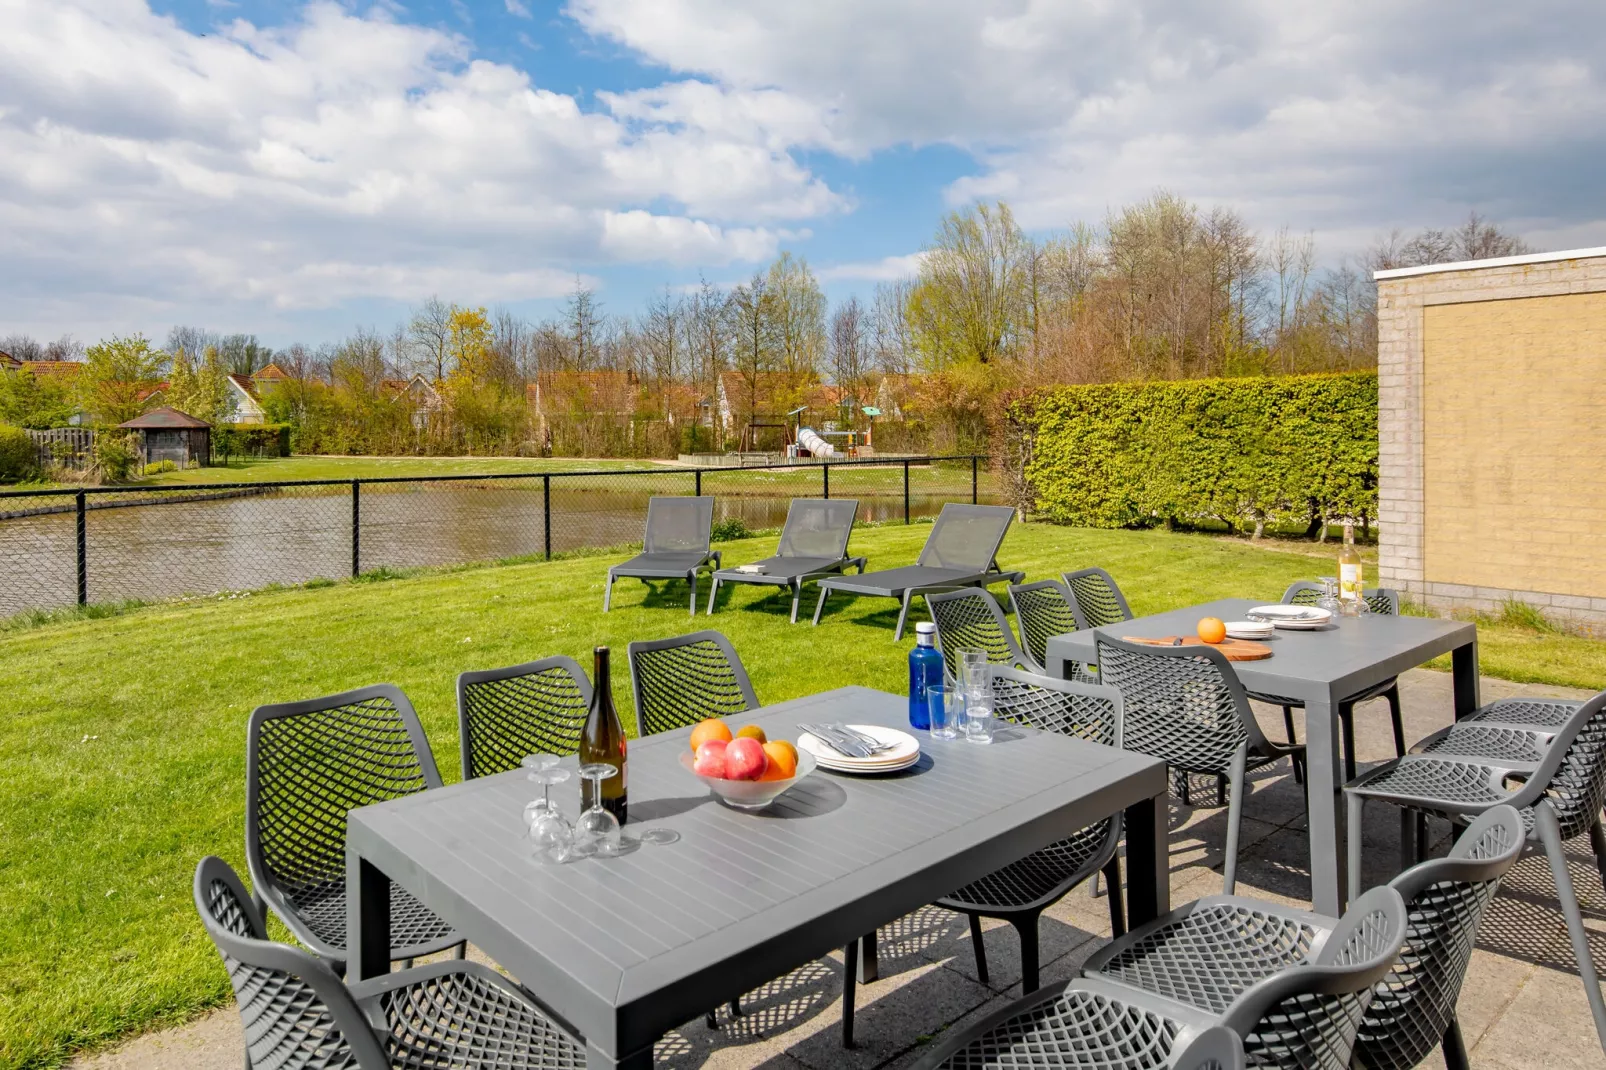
x=837, y=741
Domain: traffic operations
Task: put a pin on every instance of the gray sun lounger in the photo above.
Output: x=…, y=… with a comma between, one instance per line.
x=814, y=543
x=961, y=551
x=675, y=546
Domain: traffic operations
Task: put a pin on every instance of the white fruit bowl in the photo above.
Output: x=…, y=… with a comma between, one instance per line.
x=750, y=794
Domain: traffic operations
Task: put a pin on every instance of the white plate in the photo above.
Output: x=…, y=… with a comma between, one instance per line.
x=1249, y=629
x=1298, y=618
x=904, y=753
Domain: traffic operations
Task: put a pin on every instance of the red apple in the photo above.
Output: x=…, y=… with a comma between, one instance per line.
x=710, y=759
x=745, y=759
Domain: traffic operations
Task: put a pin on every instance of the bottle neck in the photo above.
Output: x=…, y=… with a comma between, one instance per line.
x=1349, y=534
x=923, y=639
x=601, y=676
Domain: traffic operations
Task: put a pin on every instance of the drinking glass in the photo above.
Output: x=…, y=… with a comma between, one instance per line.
x=551, y=836
x=979, y=716
x=538, y=765
x=598, y=829
x=947, y=710
x=1329, y=599
x=972, y=669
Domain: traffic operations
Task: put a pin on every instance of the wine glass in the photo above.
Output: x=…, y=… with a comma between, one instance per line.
x=598, y=829
x=551, y=836
x=538, y=765
x=1329, y=599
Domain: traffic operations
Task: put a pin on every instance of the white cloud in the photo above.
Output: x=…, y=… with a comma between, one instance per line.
x=350, y=156
x=515, y=8
x=887, y=269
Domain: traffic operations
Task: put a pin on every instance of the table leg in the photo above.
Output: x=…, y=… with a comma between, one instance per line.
x=1464, y=672
x=367, y=919
x=869, y=964
x=1323, y=784
x=1148, y=860
x=597, y=1059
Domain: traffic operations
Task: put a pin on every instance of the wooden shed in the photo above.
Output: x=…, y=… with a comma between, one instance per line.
x=166, y=434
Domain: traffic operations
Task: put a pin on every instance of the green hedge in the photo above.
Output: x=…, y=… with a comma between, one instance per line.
x=1249, y=452
x=244, y=440
x=17, y=454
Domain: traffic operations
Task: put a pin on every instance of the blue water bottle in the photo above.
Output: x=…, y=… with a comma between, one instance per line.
x=925, y=670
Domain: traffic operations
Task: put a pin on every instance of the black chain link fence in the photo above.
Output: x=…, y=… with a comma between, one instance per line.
x=60, y=548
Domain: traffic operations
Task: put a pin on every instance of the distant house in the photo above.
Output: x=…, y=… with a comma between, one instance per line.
x=8, y=363
x=269, y=374
x=598, y=393
x=420, y=393
x=244, y=405
x=165, y=434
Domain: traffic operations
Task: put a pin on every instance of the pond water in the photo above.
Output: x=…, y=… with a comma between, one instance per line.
x=292, y=535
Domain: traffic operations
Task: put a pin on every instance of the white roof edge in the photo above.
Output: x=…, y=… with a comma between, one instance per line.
x=1492, y=262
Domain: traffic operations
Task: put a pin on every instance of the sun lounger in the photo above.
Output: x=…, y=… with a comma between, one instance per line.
x=675, y=546
x=814, y=543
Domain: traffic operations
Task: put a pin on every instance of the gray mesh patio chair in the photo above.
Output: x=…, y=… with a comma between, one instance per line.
x=506, y=714
x=675, y=546
x=1187, y=707
x=814, y=543
x=1208, y=952
x=972, y=618
x=1379, y=600
x=1559, y=798
x=961, y=551
x=1303, y=1017
x=297, y=1013
x=1043, y=610
x=1020, y=892
x=307, y=765
x=689, y=678
x=1099, y=602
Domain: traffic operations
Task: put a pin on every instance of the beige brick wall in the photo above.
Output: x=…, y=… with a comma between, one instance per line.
x=1492, y=395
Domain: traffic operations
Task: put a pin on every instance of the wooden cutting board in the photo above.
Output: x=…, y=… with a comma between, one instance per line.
x=1235, y=649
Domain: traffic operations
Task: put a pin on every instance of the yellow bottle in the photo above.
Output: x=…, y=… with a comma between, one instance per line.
x=1350, y=578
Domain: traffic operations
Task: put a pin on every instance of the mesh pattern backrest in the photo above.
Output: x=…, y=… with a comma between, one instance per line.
x=458, y=1019
x=1178, y=709
x=678, y=525
x=681, y=685
x=536, y=713
x=1090, y=717
x=1096, y=597
x=971, y=620
x=1042, y=611
x=817, y=527
x=314, y=768
x=1378, y=600
x=966, y=537
x=287, y=1025
x=1079, y=1029
x=1578, y=788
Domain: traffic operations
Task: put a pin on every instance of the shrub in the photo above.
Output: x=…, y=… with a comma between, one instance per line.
x=251, y=440
x=1246, y=452
x=115, y=454
x=159, y=467
x=18, y=460
x=729, y=528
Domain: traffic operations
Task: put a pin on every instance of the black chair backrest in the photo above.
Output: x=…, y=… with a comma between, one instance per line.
x=1308, y=1015
x=971, y=618
x=1184, y=704
x=1043, y=610
x=1445, y=900
x=309, y=764
x=295, y=1011
x=1573, y=773
x=687, y=679
x=506, y=714
x=818, y=527
x=1382, y=600
x=1099, y=600
x=1087, y=711
x=966, y=537
x=678, y=525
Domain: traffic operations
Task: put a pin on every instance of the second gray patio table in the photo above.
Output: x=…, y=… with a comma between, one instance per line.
x=1321, y=668
x=624, y=950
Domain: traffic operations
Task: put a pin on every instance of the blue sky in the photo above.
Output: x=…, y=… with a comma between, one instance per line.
x=299, y=169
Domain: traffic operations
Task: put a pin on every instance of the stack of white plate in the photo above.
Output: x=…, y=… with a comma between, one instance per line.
x=903, y=751
x=1297, y=618
x=1249, y=629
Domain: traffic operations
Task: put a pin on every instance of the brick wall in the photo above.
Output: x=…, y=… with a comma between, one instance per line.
x=1492, y=393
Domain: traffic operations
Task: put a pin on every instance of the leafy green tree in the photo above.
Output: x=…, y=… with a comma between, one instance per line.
x=200, y=390
x=32, y=401
x=119, y=378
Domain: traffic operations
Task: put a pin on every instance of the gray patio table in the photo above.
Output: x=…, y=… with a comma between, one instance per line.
x=1322, y=668
x=624, y=950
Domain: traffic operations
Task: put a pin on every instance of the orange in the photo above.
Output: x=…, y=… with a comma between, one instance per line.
x=751, y=731
x=783, y=760
x=1212, y=630
x=708, y=731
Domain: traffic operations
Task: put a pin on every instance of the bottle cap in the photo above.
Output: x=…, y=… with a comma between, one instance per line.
x=925, y=627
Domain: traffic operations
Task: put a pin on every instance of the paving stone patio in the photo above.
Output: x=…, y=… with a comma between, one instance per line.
x=1522, y=1007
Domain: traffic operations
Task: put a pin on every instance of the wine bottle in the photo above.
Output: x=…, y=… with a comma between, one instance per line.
x=603, y=740
x=1350, y=579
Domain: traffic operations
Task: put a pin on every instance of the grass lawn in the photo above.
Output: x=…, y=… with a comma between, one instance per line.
x=123, y=750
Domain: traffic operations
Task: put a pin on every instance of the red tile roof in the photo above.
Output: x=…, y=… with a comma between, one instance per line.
x=165, y=418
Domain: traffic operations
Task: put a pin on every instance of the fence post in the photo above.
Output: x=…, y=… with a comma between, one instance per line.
x=825, y=470
x=699, y=492
x=546, y=515
x=356, y=527
x=973, y=466
x=906, y=492
x=83, y=554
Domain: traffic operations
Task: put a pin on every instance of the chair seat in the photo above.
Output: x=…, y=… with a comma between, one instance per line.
x=414, y=929
x=1209, y=952
x=664, y=565
x=1438, y=785
x=464, y=1015
x=782, y=570
x=1534, y=712
x=1040, y=877
x=1485, y=741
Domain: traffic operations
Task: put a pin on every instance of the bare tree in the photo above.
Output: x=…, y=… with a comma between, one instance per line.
x=22, y=347
x=890, y=332
x=797, y=312
x=582, y=318
x=513, y=359
x=662, y=334
x=753, y=354
x=429, y=336
x=850, y=350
